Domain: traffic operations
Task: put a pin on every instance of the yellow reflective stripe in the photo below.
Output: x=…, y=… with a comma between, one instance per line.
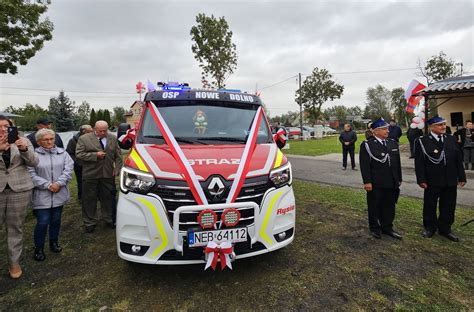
x=159, y=226
x=137, y=159
x=279, y=158
x=267, y=217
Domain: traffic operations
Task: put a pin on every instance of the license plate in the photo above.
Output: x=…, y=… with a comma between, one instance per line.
x=201, y=238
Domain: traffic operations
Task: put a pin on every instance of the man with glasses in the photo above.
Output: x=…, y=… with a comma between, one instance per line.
x=439, y=170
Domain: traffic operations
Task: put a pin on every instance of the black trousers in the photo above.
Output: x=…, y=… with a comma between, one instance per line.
x=344, y=156
x=104, y=190
x=78, y=172
x=447, y=205
x=412, y=148
x=381, y=208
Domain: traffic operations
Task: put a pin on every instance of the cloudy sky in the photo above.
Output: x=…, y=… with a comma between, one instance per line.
x=101, y=49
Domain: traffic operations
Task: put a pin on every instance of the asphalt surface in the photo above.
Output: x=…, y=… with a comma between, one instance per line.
x=327, y=169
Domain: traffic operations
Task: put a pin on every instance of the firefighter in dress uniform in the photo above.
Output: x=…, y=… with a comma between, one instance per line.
x=439, y=170
x=382, y=176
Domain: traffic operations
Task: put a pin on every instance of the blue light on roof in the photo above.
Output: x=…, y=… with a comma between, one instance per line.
x=175, y=87
x=229, y=90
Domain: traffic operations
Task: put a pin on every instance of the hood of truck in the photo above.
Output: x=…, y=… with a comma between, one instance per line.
x=206, y=160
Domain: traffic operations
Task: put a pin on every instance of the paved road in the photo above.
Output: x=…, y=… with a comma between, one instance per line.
x=328, y=169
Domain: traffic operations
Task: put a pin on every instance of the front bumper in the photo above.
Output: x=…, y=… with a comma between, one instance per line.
x=146, y=234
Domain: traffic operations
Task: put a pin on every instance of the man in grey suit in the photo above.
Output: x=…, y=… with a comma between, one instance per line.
x=101, y=161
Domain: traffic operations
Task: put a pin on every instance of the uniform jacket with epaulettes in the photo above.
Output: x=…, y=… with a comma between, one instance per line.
x=381, y=175
x=441, y=174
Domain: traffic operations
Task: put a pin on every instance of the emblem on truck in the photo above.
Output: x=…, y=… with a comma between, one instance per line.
x=216, y=187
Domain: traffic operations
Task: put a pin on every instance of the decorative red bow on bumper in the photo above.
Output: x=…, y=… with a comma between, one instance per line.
x=222, y=252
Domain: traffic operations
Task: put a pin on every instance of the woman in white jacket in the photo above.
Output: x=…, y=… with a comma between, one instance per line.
x=51, y=179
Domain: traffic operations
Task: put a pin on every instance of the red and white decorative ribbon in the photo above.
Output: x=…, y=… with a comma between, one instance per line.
x=280, y=136
x=221, y=252
x=178, y=154
x=246, y=158
x=129, y=135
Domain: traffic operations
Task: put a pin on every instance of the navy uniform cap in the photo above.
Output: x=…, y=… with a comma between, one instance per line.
x=379, y=123
x=435, y=120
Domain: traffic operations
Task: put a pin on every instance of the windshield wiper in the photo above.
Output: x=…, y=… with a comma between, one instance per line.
x=225, y=139
x=178, y=139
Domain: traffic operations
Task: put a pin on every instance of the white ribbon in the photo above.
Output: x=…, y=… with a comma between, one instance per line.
x=182, y=157
x=245, y=154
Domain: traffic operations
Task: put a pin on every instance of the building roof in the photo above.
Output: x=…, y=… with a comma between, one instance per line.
x=450, y=85
x=9, y=115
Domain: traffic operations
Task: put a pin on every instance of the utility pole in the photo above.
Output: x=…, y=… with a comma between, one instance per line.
x=301, y=107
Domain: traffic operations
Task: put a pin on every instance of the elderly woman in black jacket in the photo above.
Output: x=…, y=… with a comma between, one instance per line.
x=348, y=137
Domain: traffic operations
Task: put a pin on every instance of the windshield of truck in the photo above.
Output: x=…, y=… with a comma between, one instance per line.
x=200, y=122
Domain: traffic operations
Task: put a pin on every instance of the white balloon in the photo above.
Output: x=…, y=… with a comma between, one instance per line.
x=421, y=125
x=413, y=126
x=421, y=115
x=416, y=120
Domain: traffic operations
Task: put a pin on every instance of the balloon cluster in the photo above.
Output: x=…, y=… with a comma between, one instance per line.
x=419, y=120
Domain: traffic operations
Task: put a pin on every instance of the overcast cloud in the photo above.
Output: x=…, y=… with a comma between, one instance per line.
x=102, y=46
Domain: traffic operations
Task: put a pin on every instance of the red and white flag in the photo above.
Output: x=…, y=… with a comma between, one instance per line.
x=414, y=87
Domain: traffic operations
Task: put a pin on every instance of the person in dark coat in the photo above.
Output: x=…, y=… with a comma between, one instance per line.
x=465, y=138
x=382, y=176
x=43, y=123
x=439, y=170
x=412, y=135
x=71, y=150
x=347, y=139
x=394, y=131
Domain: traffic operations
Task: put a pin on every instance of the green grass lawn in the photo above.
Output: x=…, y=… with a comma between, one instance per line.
x=326, y=145
x=333, y=264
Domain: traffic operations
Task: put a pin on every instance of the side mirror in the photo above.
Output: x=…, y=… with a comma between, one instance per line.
x=125, y=136
x=280, y=138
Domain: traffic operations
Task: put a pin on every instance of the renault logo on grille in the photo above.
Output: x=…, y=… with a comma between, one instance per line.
x=216, y=187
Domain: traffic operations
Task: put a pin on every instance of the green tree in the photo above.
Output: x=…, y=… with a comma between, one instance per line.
x=100, y=114
x=30, y=114
x=61, y=112
x=398, y=104
x=82, y=114
x=213, y=49
x=318, y=88
x=288, y=120
x=378, y=102
x=93, y=118
x=339, y=112
x=22, y=33
x=438, y=67
x=118, y=116
x=107, y=116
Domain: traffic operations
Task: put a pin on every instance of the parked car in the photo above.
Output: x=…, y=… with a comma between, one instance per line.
x=327, y=130
x=292, y=131
x=309, y=129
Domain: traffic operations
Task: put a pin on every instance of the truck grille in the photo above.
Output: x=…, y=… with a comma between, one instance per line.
x=176, y=194
x=197, y=253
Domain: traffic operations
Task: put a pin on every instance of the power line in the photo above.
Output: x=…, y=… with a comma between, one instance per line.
x=375, y=71
x=33, y=89
x=279, y=82
x=344, y=73
x=93, y=96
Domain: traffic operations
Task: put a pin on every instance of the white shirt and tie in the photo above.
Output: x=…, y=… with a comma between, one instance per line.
x=437, y=137
x=102, y=142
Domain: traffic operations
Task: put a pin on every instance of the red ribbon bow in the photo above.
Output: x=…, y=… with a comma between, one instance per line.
x=221, y=252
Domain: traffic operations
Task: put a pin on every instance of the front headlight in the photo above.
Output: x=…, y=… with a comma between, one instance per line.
x=281, y=175
x=136, y=181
